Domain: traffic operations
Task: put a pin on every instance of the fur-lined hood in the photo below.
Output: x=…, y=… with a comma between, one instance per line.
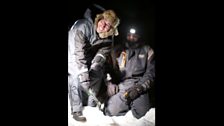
x=95, y=12
x=111, y=16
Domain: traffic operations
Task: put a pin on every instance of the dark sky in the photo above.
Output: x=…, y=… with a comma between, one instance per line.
x=137, y=13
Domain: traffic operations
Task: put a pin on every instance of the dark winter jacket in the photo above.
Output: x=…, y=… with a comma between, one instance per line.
x=139, y=67
x=82, y=43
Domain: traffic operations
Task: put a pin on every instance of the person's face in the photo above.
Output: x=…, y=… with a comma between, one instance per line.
x=103, y=26
x=132, y=38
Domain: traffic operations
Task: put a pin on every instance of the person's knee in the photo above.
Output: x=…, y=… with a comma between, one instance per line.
x=139, y=111
x=116, y=107
x=111, y=110
x=136, y=114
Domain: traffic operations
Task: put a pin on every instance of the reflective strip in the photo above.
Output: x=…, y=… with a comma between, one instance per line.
x=123, y=60
x=101, y=56
x=73, y=24
x=150, y=53
x=109, y=77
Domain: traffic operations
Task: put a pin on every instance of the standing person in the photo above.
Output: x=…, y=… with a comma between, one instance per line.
x=89, y=44
x=136, y=64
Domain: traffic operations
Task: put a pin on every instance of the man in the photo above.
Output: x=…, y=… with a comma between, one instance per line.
x=88, y=47
x=136, y=64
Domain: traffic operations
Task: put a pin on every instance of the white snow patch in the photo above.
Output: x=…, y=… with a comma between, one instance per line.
x=95, y=117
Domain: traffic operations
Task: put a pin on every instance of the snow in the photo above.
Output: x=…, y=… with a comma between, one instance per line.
x=95, y=117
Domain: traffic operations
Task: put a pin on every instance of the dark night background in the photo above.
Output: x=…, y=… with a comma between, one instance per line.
x=182, y=33
x=137, y=13
x=179, y=32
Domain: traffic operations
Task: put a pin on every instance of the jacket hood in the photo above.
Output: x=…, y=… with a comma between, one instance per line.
x=92, y=11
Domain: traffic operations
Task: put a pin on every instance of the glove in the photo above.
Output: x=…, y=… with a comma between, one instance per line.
x=133, y=92
x=112, y=89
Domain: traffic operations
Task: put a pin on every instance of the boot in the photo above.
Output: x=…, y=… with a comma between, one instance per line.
x=78, y=116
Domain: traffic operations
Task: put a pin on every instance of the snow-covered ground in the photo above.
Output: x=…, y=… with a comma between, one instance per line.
x=96, y=118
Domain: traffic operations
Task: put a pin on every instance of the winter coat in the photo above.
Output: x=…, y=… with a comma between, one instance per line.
x=139, y=67
x=82, y=39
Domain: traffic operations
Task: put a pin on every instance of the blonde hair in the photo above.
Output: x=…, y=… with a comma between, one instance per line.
x=111, y=16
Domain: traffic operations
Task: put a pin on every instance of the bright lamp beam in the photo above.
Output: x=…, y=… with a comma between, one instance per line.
x=132, y=31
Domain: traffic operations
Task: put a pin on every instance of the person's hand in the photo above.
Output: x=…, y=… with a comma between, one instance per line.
x=112, y=89
x=133, y=92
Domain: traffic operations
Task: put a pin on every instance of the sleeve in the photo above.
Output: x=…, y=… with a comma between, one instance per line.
x=81, y=48
x=114, y=72
x=147, y=80
x=77, y=51
x=103, y=47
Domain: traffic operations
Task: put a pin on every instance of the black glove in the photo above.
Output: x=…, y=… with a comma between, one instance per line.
x=133, y=92
x=112, y=89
